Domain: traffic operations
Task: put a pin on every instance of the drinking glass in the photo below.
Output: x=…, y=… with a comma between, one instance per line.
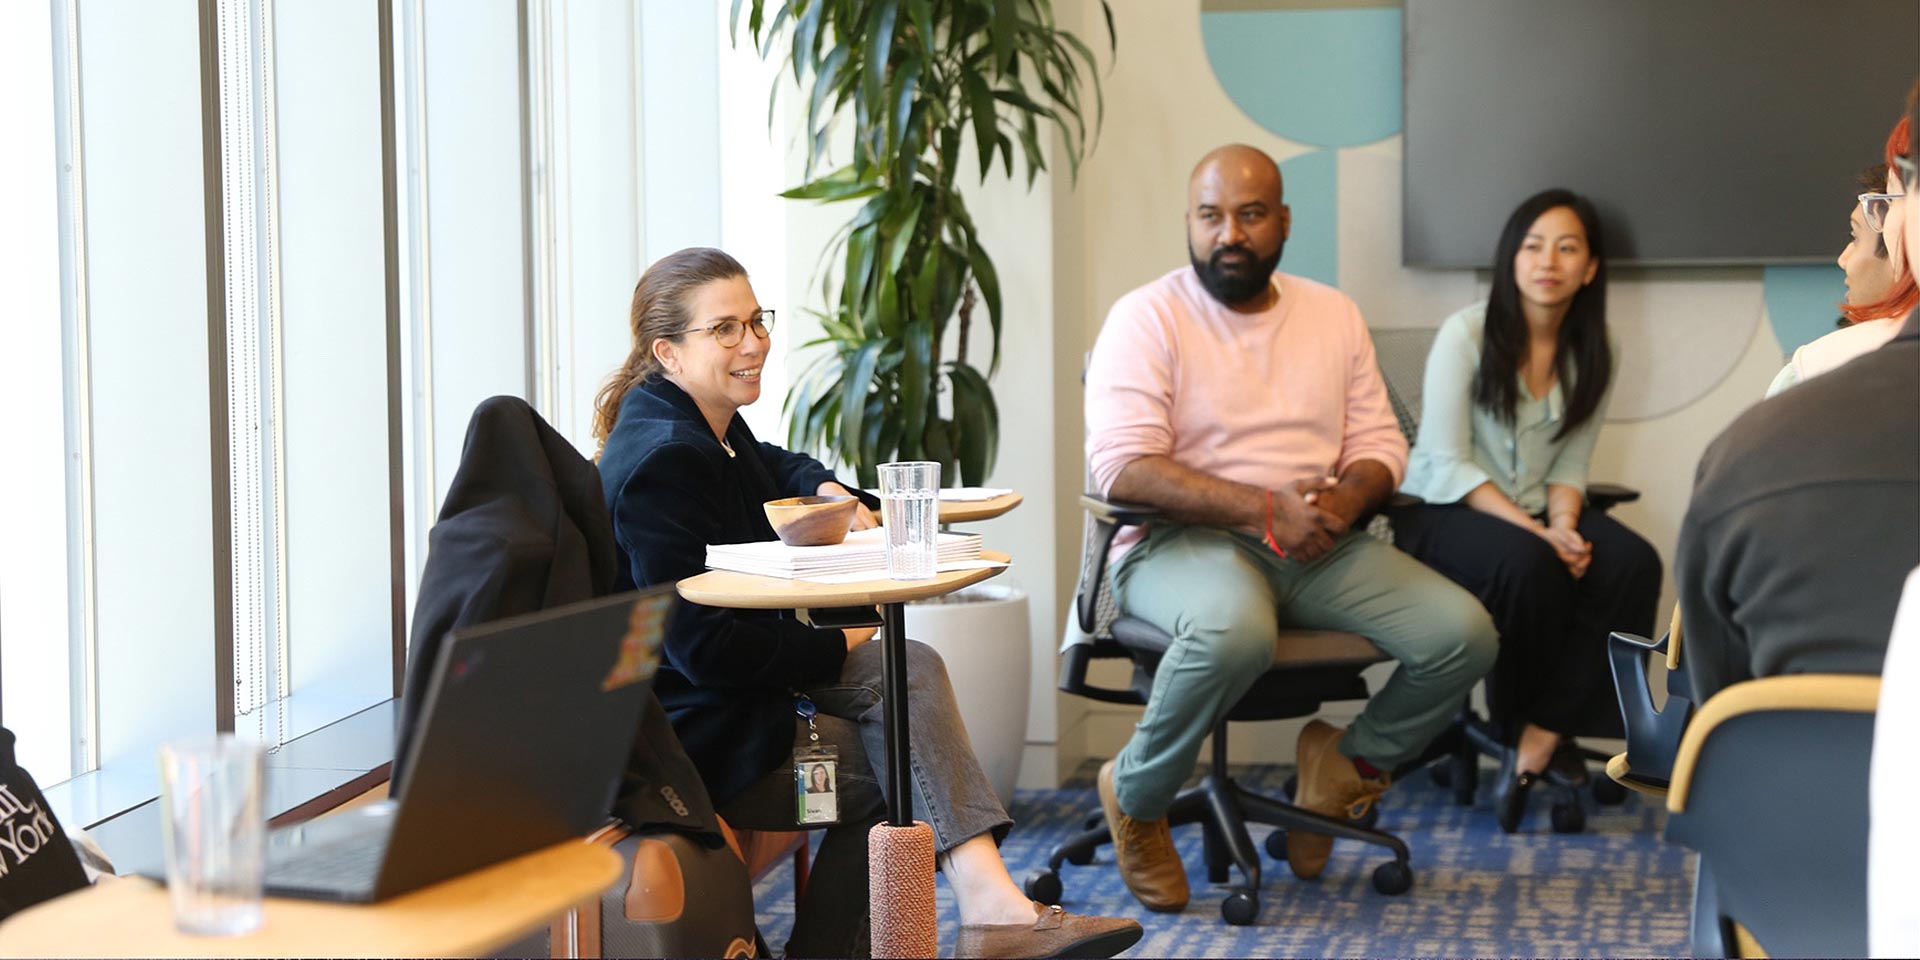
x=910, y=510
x=213, y=824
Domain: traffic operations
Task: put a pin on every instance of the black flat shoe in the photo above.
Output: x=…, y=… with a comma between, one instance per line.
x=1510, y=793
x=1568, y=767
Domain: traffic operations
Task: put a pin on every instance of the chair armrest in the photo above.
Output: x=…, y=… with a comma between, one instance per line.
x=1108, y=517
x=1116, y=512
x=1073, y=672
x=1606, y=496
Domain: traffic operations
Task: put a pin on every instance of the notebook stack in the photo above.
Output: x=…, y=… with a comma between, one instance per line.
x=864, y=551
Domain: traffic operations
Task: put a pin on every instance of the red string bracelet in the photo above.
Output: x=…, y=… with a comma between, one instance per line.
x=1273, y=544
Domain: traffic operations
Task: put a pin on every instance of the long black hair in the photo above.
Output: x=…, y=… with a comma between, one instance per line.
x=1582, y=359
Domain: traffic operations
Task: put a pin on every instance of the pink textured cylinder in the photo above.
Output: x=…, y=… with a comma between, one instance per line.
x=900, y=890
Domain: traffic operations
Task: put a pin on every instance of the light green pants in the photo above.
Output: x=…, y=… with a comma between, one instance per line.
x=1223, y=597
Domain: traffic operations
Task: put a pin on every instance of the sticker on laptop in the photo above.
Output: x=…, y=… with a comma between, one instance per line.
x=640, y=648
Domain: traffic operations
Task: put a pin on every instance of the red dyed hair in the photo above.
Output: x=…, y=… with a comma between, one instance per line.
x=1906, y=293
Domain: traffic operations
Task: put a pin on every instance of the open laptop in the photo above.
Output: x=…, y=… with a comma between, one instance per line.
x=525, y=732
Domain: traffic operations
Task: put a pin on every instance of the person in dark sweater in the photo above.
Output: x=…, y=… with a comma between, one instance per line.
x=681, y=470
x=1805, y=515
x=37, y=861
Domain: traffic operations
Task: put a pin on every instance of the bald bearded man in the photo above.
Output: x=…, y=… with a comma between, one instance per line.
x=1247, y=406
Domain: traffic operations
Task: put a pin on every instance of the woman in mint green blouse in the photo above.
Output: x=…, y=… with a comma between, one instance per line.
x=1516, y=390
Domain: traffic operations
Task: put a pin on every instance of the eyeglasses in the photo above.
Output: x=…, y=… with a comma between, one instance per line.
x=1873, y=206
x=729, y=332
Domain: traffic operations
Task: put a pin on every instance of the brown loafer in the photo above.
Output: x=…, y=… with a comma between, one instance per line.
x=1144, y=851
x=1329, y=785
x=1053, y=933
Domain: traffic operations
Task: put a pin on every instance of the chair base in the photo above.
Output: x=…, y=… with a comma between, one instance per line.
x=1454, y=759
x=1223, y=808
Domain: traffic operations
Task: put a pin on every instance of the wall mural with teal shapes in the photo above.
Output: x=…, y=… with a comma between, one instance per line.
x=1802, y=301
x=1325, y=75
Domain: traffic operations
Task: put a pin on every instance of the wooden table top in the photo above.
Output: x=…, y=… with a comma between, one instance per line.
x=469, y=915
x=728, y=588
x=968, y=511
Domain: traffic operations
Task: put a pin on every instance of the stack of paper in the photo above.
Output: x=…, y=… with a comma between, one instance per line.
x=864, y=551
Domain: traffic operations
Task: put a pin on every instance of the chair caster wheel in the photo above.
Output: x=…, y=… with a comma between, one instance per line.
x=1393, y=878
x=1044, y=886
x=1239, y=908
x=1569, y=818
x=1080, y=858
x=1608, y=792
x=1277, y=844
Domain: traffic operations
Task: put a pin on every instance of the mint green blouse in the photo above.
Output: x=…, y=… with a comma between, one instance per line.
x=1462, y=445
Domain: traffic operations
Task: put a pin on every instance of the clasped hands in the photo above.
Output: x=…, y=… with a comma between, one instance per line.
x=1567, y=543
x=1309, y=515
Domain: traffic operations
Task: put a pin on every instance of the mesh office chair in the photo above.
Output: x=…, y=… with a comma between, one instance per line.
x=1770, y=787
x=1310, y=667
x=1455, y=755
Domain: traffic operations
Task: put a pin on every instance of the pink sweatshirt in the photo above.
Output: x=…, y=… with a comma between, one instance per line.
x=1262, y=399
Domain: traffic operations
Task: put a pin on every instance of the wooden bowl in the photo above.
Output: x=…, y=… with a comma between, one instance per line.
x=811, y=521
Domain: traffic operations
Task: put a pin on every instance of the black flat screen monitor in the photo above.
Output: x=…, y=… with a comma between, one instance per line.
x=1707, y=131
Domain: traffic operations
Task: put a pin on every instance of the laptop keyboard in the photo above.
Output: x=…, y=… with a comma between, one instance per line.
x=349, y=863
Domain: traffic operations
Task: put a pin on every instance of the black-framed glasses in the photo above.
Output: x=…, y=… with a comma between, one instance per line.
x=729, y=332
x=1873, y=207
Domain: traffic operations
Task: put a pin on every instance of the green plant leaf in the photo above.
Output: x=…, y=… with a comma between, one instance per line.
x=989, y=283
x=980, y=102
x=855, y=388
x=916, y=384
x=879, y=48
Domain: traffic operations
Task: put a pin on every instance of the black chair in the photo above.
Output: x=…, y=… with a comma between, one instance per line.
x=1310, y=667
x=1770, y=787
x=1454, y=757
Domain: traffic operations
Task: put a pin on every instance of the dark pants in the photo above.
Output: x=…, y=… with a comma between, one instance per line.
x=1553, y=628
x=951, y=793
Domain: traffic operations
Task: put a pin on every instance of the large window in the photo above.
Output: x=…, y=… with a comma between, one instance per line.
x=273, y=254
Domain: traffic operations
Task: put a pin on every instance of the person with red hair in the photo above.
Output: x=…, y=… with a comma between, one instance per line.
x=1881, y=290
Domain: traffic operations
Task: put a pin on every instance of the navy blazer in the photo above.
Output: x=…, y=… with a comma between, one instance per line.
x=727, y=677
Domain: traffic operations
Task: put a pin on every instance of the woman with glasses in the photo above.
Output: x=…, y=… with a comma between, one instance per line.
x=1880, y=288
x=1515, y=392
x=746, y=688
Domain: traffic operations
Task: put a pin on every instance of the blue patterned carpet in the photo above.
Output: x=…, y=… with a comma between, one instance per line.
x=1615, y=890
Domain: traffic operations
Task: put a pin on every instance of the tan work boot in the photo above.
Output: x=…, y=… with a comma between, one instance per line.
x=1328, y=785
x=1144, y=851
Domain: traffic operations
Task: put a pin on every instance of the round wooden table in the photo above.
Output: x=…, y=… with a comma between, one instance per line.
x=968, y=511
x=469, y=915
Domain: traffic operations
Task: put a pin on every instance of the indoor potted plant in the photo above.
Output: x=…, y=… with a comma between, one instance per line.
x=937, y=90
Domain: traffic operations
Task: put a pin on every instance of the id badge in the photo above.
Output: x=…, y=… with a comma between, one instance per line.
x=816, y=778
x=816, y=772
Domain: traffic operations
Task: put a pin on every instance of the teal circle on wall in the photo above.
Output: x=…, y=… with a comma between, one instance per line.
x=1326, y=77
x=1310, y=184
x=1803, y=302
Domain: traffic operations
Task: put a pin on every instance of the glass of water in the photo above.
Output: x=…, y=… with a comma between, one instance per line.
x=910, y=510
x=213, y=823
